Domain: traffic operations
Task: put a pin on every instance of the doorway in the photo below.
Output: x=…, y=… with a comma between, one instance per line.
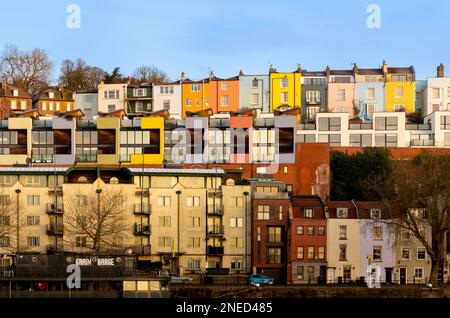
x=388, y=272
x=402, y=275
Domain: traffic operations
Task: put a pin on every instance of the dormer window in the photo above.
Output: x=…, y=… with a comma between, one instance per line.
x=15, y=93
x=342, y=213
x=51, y=95
x=375, y=214
x=308, y=213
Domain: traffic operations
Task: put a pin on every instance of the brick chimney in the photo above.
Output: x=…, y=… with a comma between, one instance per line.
x=440, y=70
x=241, y=72
x=328, y=71
x=183, y=76
x=355, y=68
x=384, y=67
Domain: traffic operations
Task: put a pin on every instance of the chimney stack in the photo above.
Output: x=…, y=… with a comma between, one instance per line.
x=183, y=76
x=355, y=68
x=385, y=67
x=440, y=70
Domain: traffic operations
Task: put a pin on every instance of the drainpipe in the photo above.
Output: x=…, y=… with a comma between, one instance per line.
x=356, y=208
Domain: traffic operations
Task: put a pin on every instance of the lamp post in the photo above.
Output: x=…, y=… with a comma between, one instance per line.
x=98, y=191
x=17, y=220
x=245, y=230
x=178, y=192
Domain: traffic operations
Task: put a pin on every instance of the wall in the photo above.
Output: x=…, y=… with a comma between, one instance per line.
x=175, y=98
x=245, y=91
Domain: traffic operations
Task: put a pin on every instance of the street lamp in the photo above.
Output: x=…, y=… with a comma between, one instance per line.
x=98, y=191
x=178, y=192
x=245, y=230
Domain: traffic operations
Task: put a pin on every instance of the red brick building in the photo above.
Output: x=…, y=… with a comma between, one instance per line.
x=308, y=239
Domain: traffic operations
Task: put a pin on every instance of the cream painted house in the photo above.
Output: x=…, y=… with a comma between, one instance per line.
x=112, y=96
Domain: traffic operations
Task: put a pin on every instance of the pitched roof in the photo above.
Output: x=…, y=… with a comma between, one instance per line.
x=400, y=70
x=334, y=205
x=61, y=93
x=341, y=72
x=7, y=90
x=306, y=201
x=370, y=71
x=313, y=73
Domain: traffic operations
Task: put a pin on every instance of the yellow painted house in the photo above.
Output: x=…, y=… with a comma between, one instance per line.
x=154, y=151
x=285, y=89
x=400, y=89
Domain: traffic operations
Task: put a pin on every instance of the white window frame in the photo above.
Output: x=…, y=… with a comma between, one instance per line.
x=370, y=93
x=399, y=92
x=284, y=82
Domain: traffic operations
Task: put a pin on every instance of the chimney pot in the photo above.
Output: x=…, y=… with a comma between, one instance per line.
x=440, y=70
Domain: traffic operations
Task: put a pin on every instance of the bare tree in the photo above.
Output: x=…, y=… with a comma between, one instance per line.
x=417, y=195
x=8, y=221
x=100, y=217
x=31, y=70
x=150, y=74
x=79, y=75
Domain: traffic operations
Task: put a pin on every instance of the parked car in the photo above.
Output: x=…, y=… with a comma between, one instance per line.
x=259, y=280
x=175, y=278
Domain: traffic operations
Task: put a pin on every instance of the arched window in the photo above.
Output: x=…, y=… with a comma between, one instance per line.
x=82, y=179
x=114, y=180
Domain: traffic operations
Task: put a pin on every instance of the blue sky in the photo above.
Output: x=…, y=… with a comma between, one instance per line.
x=196, y=35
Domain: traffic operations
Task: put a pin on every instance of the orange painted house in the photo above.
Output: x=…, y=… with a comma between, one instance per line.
x=194, y=95
x=224, y=94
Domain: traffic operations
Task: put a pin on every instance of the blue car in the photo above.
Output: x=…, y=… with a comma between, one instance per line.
x=259, y=280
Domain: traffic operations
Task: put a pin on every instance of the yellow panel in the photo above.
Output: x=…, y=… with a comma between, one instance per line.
x=293, y=90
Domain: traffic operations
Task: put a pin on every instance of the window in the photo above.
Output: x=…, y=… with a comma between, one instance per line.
x=274, y=255
x=193, y=242
x=399, y=92
x=236, y=222
x=33, y=199
x=284, y=97
x=258, y=233
x=341, y=94
x=343, y=252
x=375, y=214
x=166, y=104
x=360, y=140
x=445, y=122
x=51, y=95
x=311, y=112
x=308, y=213
x=274, y=234
x=435, y=93
x=342, y=213
x=193, y=201
x=197, y=102
x=300, y=272
x=111, y=108
x=33, y=241
x=284, y=82
x=448, y=92
x=164, y=201
x=193, y=264
x=285, y=169
x=399, y=107
x=50, y=106
x=405, y=254
x=15, y=93
x=224, y=100
x=112, y=94
x=299, y=252
x=404, y=235
x=377, y=233
x=321, y=252
x=80, y=241
x=342, y=232
x=195, y=87
x=376, y=252
x=313, y=96
x=164, y=241
x=237, y=202
x=418, y=272
x=255, y=83
x=421, y=253
x=236, y=264
x=13, y=104
x=139, y=92
x=310, y=252
x=237, y=242
x=139, y=106
x=386, y=123
x=254, y=99
x=321, y=230
x=193, y=221
x=370, y=93
x=371, y=108
x=310, y=230
x=33, y=220
x=329, y=124
x=188, y=102
x=164, y=221
x=385, y=140
x=44, y=106
x=299, y=230
x=224, y=86
x=23, y=105
x=263, y=212
x=399, y=78
x=4, y=241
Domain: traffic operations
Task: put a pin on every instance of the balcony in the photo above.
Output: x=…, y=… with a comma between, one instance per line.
x=417, y=127
x=216, y=209
x=173, y=123
x=84, y=123
x=215, y=230
x=215, y=250
x=365, y=126
x=142, y=208
x=138, y=249
x=86, y=158
x=271, y=195
x=42, y=158
x=219, y=123
x=307, y=127
x=422, y=143
x=55, y=248
x=58, y=190
x=264, y=122
x=140, y=229
x=313, y=101
x=55, y=229
x=142, y=192
x=55, y=208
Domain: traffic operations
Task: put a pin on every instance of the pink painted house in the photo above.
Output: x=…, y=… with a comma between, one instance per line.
x=341, y=91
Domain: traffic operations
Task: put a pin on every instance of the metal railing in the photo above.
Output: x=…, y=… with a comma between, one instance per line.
x=307, y=127
x=365, y=126
x=142, y=208
x=217, y=209
x=215, y=250
x=57, y=208
x=86, y=158
x=215, y=230
x=140, y=229
x=422, y=142
x=417, y=127
x=55, y=229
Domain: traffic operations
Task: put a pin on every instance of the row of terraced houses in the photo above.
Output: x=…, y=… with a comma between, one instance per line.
x=222, y=176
